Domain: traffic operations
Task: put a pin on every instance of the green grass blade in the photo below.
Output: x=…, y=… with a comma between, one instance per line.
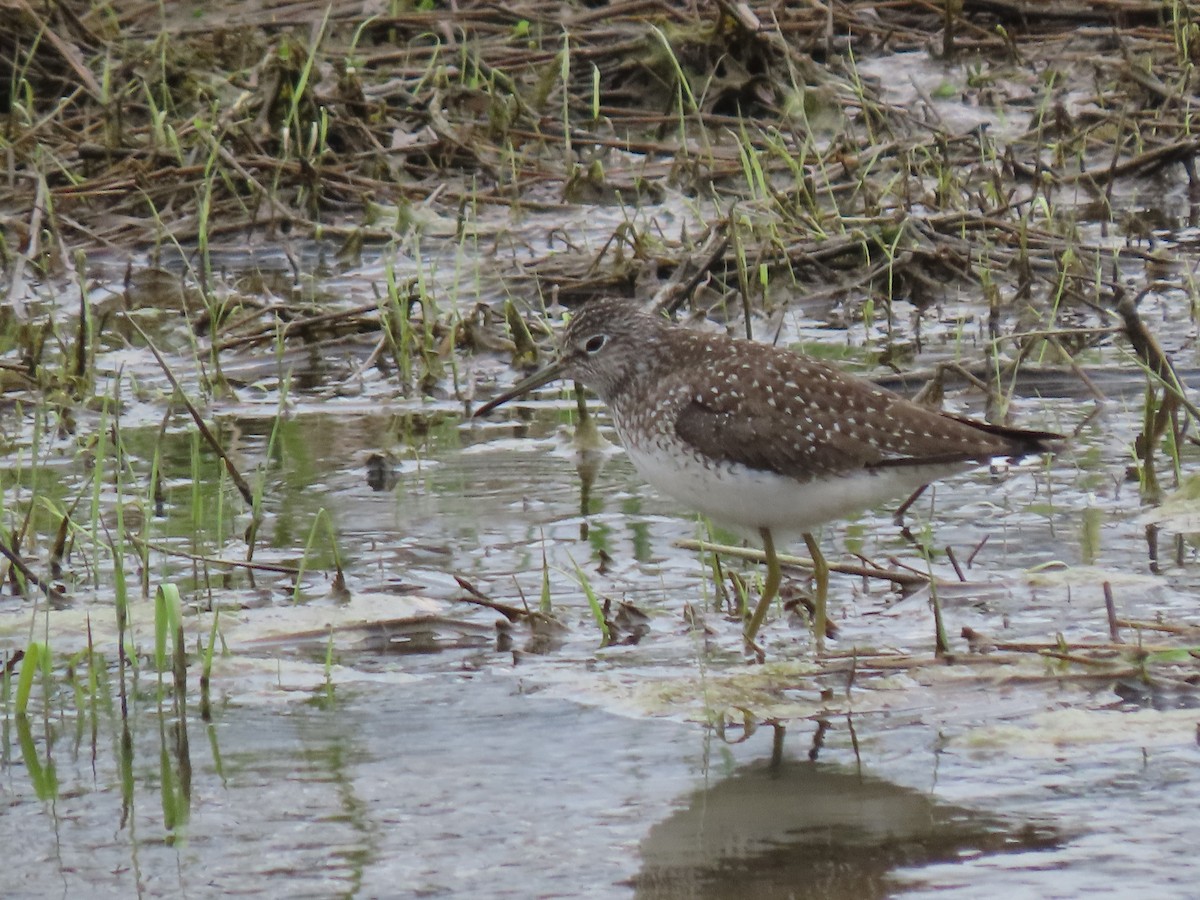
x=594, y=604
x=29, y=665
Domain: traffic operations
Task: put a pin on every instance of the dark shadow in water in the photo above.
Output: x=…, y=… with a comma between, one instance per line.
x=797, y=829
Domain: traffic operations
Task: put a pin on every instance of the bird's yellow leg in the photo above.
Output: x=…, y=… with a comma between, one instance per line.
x=770, y=589
x=821, y=577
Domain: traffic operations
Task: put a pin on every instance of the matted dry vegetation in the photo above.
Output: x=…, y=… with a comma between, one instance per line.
x=132, y=124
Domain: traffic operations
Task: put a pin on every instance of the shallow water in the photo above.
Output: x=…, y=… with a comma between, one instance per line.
x=477, y=784
x=393, y=739
x=444, y=765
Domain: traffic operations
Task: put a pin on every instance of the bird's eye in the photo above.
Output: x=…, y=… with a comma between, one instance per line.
x=596, y=343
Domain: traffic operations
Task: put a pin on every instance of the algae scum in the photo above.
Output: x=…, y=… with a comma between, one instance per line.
x=281, y=618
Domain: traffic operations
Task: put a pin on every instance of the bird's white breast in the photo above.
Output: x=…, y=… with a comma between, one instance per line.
x=735, y=495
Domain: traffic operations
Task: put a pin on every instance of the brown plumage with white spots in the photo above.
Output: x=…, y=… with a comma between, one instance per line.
x=761, y=438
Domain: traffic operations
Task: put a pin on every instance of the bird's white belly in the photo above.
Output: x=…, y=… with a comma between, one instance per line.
x=732, y=494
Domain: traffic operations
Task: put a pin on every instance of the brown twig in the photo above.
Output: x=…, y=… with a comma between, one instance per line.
x=896, y=577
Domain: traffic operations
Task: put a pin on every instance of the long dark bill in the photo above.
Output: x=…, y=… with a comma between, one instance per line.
x=522, y=387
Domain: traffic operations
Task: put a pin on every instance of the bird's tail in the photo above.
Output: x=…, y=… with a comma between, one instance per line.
x=1020, y=441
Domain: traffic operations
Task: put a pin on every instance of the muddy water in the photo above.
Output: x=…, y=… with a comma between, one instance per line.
x=434, y=759
x=393, y=739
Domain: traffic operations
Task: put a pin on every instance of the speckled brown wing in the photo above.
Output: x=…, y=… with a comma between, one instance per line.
x=801, y=418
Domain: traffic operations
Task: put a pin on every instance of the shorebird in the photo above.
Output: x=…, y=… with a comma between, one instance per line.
x=760, y=438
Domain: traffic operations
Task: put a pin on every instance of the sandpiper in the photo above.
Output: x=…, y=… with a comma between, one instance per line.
x=760, y=438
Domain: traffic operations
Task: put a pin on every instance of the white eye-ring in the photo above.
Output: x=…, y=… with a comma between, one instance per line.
x=595, y=343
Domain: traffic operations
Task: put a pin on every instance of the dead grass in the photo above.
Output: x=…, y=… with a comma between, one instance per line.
x=122, y=128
